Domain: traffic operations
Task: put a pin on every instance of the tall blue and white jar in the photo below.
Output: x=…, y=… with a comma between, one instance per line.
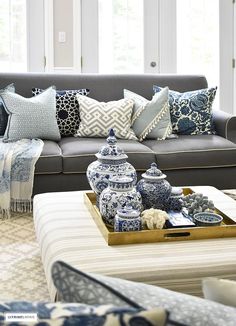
x=121, y=192
x=111, y=161
x=154, y=189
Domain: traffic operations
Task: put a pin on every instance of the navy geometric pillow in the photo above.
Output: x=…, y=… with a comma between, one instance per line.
x=67, y=109
x=191, y=112
x=3, y=112
x=3, y=118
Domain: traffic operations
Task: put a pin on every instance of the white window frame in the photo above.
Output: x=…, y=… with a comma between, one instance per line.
x=35, y=35
x=227, y=41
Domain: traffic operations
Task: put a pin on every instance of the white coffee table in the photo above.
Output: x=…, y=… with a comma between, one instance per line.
x=66, y=231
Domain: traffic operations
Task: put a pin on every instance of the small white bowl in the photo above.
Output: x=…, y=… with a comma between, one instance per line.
x=207, y=219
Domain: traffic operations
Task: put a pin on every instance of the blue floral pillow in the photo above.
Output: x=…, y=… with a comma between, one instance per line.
x=191, y=112
x=77, y=314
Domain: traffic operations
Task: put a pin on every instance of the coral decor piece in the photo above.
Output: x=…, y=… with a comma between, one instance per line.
x=154, y=218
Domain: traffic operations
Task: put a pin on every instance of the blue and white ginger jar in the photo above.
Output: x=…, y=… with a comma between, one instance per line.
x=127, y=219
x=154, y=189
x=111, y=161
x=120, y=193
x=175, y=202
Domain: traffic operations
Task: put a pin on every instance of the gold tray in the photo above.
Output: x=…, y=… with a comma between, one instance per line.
x=226, y=229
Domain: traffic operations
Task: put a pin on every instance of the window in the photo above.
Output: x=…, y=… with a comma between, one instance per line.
x=120, y=36
x=198, y=39
x=13, y=45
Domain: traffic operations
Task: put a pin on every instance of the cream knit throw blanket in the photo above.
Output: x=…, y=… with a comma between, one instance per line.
x=17, y=163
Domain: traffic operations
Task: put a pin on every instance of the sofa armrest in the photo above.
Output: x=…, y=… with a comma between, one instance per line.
x=225, y=125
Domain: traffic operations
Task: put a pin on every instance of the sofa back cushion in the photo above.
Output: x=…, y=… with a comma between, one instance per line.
x=103, y=87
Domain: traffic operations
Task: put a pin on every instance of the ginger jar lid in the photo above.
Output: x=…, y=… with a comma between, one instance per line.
x=111, y=151
x=128, y=212
x=176, y=192
x=153, y=173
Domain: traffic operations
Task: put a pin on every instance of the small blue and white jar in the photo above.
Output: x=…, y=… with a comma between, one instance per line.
x=154, y=189
x=119, y=193
x=175, y=202
x=127, y=220
x=111, y=161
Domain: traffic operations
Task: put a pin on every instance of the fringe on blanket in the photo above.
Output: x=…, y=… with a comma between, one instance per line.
x=17, y=206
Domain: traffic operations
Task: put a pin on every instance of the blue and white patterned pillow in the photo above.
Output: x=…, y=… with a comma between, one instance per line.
x=3, y=112
x=67, y=109
x=150, y=119
x=74, y=314
x=30, y=118
x=95, y=289
x=191, y=112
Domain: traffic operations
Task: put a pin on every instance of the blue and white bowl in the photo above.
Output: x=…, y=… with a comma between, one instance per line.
x=207, y=219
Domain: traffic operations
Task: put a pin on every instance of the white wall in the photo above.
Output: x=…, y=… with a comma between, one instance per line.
x=63, y=22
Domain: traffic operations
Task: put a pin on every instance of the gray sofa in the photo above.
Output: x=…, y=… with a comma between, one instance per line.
x=187, y=160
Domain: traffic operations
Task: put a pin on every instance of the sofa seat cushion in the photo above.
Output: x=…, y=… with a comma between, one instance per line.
x=195, y=151
x=50, y=160
x=78, y=153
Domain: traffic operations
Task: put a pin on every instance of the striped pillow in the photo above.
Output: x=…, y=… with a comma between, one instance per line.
x=151, y=119
x=97, y=118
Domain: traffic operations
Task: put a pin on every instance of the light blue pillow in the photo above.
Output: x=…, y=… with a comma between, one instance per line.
x=191, y=112
x=150, y=119
x=76, y=286
x=33, y=117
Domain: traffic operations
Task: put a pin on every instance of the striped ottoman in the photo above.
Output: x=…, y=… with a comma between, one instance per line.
x=66, y=231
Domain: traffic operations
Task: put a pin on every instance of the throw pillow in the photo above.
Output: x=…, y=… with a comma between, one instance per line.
x=3, y=113
x=67, y=109
x=191, y=112
x=31, y=117
x=71, y=314
x=151, y=119
x=97, y=118
x=184, y=309
x=220, y=290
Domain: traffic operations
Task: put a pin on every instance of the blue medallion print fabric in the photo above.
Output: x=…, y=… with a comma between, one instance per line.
x=191, y=112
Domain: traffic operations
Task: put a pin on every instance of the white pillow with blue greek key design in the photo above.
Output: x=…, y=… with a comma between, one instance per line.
x=151, y=119
x=97, y=118
x=33, y=117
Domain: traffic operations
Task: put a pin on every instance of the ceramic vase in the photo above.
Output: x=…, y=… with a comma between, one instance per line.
x=154, y=189
x=111, y=161
x=175, y=202
x=119, y=193
x=127, y=219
